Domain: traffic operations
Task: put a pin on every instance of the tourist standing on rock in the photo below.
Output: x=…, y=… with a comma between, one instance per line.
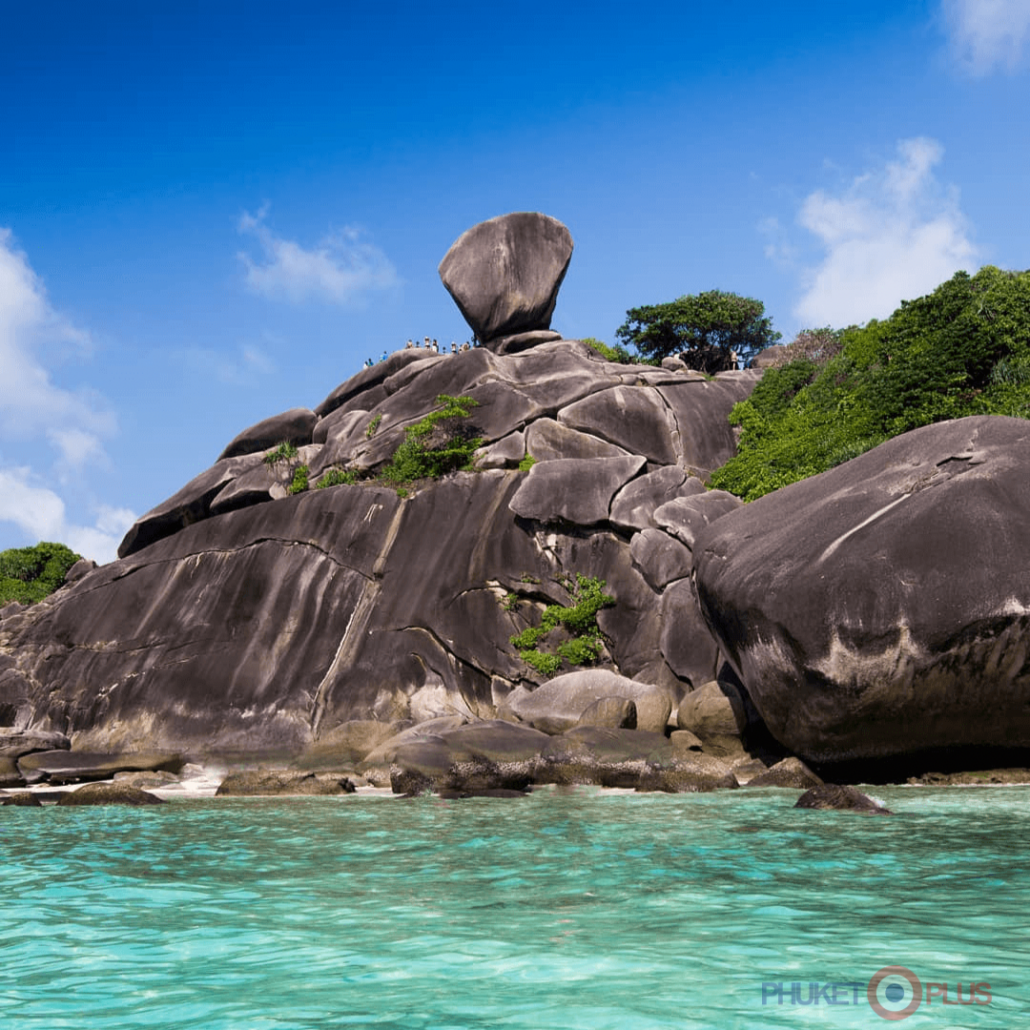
x=409, y=345
x=384, y=357
x=454, y=347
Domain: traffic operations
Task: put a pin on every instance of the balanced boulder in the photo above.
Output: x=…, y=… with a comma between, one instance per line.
x=504, y=275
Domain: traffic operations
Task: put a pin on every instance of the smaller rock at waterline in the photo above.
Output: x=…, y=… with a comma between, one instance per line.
x=614, y=713
x=685, y=741
x=831, y=795
x=715, y=712
x=697, y=774
x=109, y=794
x=9, y=774
x=22, y=799
x=268, y=783
x=791, y=772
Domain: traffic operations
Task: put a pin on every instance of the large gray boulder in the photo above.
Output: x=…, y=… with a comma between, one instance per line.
x=294, y=426
x=242, y=618
x=560, y=704
x=883, y=607
x=504, y=275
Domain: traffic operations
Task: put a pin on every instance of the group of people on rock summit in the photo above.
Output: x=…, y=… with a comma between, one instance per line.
x=430, y=345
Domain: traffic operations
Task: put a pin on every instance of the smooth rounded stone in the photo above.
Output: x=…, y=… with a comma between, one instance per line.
x=686, y=642
x=191, y=504
x=254, y=487
x=831, y=795
x=504, y=273
x=496, y=740
x=633, y=506
x=557, y=705
x=74, y=766
x=347, y=745
x=613, y=713
x=81, y=568
x=294, y=426
x=519, y=342
x=577, y=490
x=446, y=765
x=23, y=799
x=791, y=772
x=632, y=417
x=715, y=713
x=882, y=608
x=15, y=743
x=339, y=423
x=660, y=557
x=606, y=745
x=10, y=775
x=504, y=453
x=689, y=774
x=685, y=741
x=432, y=729
x=109, y=794
x=548, y=440
x=685, y=517
x=282, y=782
x=674, y=363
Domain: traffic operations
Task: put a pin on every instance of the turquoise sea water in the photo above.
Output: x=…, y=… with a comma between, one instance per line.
x=583, y=909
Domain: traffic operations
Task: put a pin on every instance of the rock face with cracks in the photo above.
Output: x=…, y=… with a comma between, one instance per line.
x=241, y=618
x=883, y=607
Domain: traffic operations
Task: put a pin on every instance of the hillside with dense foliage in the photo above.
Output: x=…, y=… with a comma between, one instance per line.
x=28, y=574
x=962, y=350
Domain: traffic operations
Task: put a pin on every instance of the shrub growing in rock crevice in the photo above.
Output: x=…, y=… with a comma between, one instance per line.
x=579, y=620
x=28, y=574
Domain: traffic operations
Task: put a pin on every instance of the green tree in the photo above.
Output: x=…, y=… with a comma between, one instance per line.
x=707, y=329
x=962, y=350
x=28, y=574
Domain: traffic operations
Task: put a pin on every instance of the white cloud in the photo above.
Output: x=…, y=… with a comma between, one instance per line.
x=31, y=405
x=33, y=410
x=40, y=514
x=987, y=34
x=341, y=268
x=893, y=234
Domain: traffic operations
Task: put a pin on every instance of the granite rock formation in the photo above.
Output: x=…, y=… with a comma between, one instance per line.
x=504, y=275
x=883, y=607
x=241, y=618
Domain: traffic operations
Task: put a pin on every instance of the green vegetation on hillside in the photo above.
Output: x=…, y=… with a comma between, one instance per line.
x=708, y=328
x=579, y=620
x=962, y=350
x=441, y=442
x=28, y=574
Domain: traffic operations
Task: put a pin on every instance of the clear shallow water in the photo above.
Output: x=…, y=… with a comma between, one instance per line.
x=628, y=912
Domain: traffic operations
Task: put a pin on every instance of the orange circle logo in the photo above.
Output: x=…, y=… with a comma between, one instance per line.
x=894, y=992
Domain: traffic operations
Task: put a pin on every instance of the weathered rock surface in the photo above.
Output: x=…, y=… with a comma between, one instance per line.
x=21, y=799
x=715, y=714
x=791, y=772
x=577, y=490
x=560, y=704
x=504, y=274
x=294, y=426
x=847, y=799
x=883, y=607
x=109, y=794
x=76, y=766
x=242, y=619
x=265, y=783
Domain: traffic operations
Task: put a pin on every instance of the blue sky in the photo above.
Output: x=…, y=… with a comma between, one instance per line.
x=212, y=212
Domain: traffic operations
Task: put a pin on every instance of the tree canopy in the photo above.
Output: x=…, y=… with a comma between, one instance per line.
x=962, y=350
x=28, y=574
x=707, y=329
